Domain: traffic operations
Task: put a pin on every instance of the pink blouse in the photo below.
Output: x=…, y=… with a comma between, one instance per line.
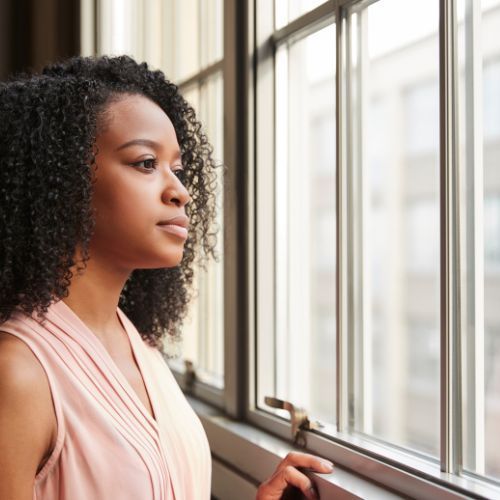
x=108, y=445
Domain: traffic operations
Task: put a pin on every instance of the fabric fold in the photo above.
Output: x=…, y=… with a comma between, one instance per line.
x=108, y=445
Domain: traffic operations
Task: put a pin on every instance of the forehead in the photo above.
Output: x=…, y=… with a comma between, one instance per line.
x=135, y=116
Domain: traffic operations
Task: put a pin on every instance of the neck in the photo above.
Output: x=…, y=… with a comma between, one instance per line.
x=94, y=295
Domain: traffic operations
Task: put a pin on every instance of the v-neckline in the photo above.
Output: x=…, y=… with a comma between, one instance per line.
x=140, y=367
x=122, y=318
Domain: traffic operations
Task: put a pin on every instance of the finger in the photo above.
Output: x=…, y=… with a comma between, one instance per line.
x=290, y=476
x=298, y=459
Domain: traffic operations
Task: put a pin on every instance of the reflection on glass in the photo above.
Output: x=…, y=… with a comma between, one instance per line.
x=305, y=224
x=393, y=165
x=288, y=10
x=203, y=330
x=479, y=118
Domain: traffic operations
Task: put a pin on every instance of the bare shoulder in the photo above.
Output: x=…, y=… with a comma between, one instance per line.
x=27, y=418
x=18, y=365
x=23, y=381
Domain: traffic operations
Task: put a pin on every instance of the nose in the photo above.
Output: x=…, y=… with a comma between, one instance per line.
x=175, y=192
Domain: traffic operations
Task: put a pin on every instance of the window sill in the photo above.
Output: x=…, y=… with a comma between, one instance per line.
x=253, y=454
x=245, y=455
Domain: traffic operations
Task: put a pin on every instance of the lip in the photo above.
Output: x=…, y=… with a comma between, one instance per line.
x=176, y=226
x=179, y=220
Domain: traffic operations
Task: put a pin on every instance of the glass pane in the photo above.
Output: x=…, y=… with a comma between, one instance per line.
x=203, y=331
x=212, y=31
x=305, y=224
x=198, y=36
x=288, y=10
x=154, y=36
x=187, y=38
x=479, y=118
x=119, y=28
x=393, y=178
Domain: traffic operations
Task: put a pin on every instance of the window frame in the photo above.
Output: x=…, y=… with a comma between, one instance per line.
x=230, y=397
x=389, y=465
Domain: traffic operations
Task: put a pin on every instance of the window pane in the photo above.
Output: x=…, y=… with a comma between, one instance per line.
x=187, y=39
x=119, y=27
x=393, y=169
x=198, y=36
x=211, y=281
x=203, y=331
x=211, y=31
x=479, y=117
x=154, y=36
x=288, y=10
x=305, y=225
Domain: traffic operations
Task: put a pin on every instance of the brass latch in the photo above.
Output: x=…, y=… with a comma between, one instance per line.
x=189, y=375
x=298, y=417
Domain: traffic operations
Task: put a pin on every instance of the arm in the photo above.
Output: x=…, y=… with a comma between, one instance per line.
x=287, y=476
x=27, y=418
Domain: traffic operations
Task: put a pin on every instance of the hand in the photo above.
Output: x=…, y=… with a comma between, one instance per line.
x=287, y=476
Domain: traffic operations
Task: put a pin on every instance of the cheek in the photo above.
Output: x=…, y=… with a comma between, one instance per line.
x=126, y=214
x=122, y=204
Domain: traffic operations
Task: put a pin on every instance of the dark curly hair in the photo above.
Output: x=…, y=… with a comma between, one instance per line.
x=48, y=128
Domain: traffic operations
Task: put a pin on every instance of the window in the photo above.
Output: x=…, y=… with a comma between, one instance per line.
x=296, y=340
x=203, y=331
x=195, y=57
x=479, y=153
x=377, y=266
x=191, y=57
x=393, y=257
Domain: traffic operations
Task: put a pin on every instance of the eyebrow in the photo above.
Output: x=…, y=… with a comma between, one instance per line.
x=144, y=142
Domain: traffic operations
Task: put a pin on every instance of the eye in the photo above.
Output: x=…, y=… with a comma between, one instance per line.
x=147, y=164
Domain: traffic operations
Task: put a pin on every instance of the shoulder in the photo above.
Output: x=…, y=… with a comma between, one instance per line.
x=28, y=423
x=19, y=367
x=23, y=382
x=24, y=386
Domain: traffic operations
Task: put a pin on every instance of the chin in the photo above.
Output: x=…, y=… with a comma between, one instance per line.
x=172, y=261
x=169, y=257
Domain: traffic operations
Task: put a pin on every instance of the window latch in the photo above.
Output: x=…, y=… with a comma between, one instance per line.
x=189, y=375
x=298, y=417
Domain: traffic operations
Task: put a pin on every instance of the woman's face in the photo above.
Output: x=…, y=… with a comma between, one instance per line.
x=137, y=189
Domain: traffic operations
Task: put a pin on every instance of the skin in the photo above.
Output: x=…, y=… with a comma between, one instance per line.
x=136, y=187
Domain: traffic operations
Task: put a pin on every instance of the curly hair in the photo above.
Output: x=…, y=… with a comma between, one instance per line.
x=47, y=148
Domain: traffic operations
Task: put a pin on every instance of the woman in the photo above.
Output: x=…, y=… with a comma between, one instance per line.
x=106, y=192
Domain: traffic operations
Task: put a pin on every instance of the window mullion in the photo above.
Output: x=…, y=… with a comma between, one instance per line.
x=264, y=206
x=364, y=329
x=235, y=147
x=341, y=233
x=351, y=223
x=474, y=328
x=450, y=268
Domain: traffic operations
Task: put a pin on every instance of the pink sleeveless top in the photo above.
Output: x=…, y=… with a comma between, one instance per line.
x=108, y=445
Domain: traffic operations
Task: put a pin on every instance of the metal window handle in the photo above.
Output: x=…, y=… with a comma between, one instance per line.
x=189, y=375
x=298, y=417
